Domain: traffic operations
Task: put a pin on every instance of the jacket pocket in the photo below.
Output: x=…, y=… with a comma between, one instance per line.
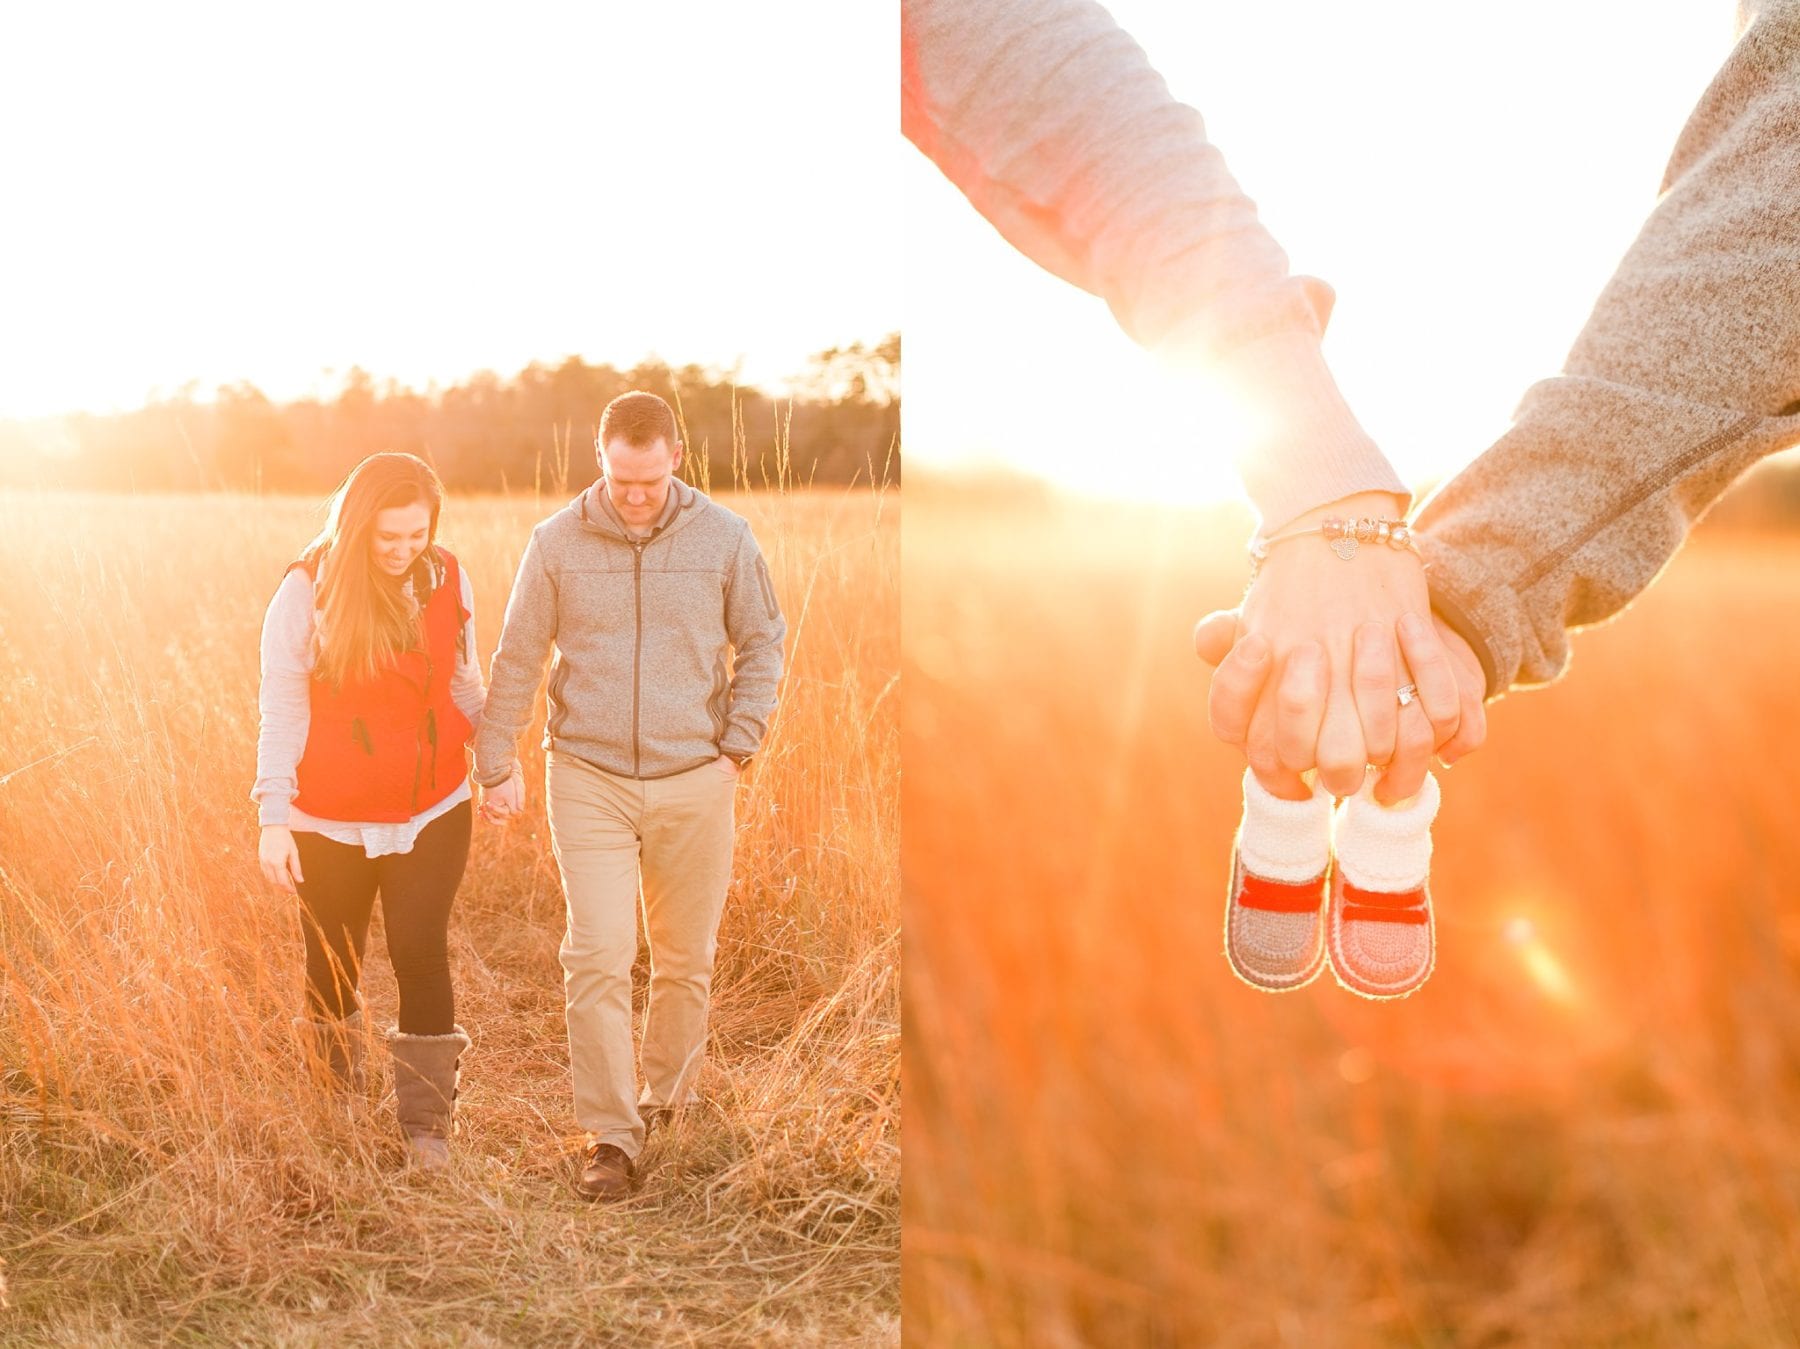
x=559, y=710
x=715, y=701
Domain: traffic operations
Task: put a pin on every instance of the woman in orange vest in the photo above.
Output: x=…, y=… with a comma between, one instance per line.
x=370, y=692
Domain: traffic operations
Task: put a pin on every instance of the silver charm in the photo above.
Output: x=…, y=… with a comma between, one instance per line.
x=1345, y=547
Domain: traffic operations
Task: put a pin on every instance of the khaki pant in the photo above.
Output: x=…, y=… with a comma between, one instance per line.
x=606, y=831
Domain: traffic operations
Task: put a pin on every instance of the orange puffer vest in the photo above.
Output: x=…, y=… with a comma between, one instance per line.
x=381, y=750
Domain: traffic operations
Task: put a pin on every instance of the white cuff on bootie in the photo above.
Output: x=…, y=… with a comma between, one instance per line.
x=1387, y=848
x=1284, y=840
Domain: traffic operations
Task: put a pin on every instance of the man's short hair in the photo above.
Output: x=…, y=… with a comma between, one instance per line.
x=640, y=418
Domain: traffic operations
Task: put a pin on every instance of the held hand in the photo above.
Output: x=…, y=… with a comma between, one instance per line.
x=500, y=803
x=1308, y=604
x=729, y=767
x=1243, y=670
x=278, y=857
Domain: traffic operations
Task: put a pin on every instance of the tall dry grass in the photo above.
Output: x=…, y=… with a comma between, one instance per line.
x=1585, y=1130
x=166, y=1171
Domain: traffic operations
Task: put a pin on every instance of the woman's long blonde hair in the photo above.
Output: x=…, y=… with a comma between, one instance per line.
x=366, y=619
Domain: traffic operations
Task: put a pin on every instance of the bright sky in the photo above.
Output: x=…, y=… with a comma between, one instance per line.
x=229, y=191
x=1465, y=176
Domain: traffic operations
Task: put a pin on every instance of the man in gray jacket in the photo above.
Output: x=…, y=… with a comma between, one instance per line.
x=668, y=646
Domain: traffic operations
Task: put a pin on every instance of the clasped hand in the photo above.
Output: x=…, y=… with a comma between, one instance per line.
x=1310, y=668
x=501, y=802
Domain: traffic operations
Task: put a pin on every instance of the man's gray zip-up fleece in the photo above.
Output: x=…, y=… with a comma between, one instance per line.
x=1685, y=375
x=668, y=648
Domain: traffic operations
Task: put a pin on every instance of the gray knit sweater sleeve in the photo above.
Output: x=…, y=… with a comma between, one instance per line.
x=1687, y=373
x=1052, y=122
x=756, y=629
x=527, y=636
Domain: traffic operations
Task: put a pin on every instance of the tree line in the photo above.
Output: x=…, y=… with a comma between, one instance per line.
x=840, y=423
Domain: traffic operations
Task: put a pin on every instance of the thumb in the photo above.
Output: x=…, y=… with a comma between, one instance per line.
x=293, y=866
x=1215, y=634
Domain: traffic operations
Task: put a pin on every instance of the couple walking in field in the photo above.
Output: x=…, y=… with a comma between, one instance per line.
x=1368, y=641
x=657, y=606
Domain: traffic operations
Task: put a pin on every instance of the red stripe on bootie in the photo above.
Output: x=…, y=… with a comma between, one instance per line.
x=1279, y=896
x=1380, y=906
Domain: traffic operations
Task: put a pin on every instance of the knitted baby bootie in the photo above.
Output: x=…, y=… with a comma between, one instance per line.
x=1379, y=927
x=1273, y=930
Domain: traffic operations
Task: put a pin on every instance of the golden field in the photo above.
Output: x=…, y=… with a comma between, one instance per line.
x=1585, y=1130
x=166, y=1170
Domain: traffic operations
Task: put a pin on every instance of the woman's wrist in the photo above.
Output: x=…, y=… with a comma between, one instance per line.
x=1345, y=526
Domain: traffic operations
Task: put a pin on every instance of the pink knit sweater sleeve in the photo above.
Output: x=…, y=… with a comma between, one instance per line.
x=1053, y=123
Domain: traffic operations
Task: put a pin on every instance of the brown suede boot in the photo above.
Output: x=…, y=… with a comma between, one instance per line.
x=606, y=1173
x=337, y=1052
x=425, y=1077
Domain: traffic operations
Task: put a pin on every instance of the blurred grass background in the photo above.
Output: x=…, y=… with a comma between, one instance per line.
x=1585, y=1130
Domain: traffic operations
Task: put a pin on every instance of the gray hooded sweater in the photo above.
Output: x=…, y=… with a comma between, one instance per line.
x=668, y=647
x=1686, y=374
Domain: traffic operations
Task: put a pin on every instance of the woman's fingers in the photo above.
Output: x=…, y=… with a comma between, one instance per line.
x=293, y=867
x=1431, y=675
x=1237, y=686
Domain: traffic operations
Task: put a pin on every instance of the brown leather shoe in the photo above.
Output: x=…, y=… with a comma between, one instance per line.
x=606, y=1173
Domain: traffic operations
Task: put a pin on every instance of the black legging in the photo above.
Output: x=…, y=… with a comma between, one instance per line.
x=338, y=896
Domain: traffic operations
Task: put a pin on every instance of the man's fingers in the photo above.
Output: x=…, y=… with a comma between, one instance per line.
x=1300, y=706
x=1283, y=783
x=1265, y=763
x=1471, y=733
x=1343, y=758
x=1471, y=679
x=1236, y=686
x=293, y=866
x=1214, y=634
x=1432, y=675
x=1372, y=676
x=1412, y=758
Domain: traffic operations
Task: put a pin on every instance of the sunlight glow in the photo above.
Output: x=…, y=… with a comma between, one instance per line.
x=1466, y=230
x=1541, y=964
x=213, y=193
